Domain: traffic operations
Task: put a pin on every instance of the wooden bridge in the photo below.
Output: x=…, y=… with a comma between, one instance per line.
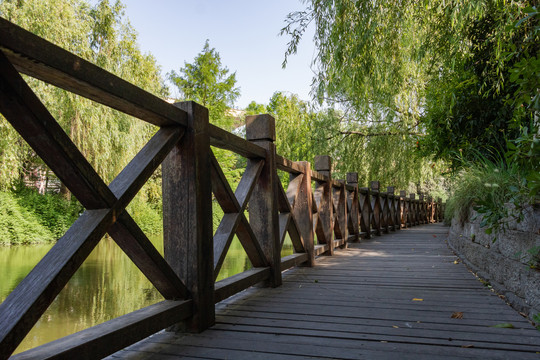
x=401, y=296
x=368, y=296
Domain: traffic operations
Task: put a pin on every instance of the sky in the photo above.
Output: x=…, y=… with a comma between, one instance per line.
x=244, y=32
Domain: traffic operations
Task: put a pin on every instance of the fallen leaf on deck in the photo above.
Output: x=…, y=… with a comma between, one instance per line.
x=457, y=315
x=416, y=299
x=467, y=346
x=456, y=262
x=434, y=235
x=395, y=327
x=316, y=280
x=504, y=326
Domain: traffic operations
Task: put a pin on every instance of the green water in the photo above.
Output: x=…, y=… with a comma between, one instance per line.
x=106, y=286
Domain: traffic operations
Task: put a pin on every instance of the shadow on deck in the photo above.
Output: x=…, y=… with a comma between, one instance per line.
x=386, y=298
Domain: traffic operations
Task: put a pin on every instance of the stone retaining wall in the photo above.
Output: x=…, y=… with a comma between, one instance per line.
x=505, y=263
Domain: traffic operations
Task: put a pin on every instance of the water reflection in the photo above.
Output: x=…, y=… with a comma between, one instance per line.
x=106, y=286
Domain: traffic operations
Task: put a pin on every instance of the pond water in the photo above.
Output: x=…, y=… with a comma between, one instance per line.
x=106, y=286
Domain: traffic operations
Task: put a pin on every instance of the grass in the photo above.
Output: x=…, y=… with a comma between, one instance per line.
x=487, y=186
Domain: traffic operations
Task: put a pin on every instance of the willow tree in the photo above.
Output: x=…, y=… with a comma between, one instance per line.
x=368, y=66
x=108, y=138
x=395, y=67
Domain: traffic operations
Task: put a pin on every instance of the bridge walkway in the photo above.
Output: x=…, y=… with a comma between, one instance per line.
x=400, y=296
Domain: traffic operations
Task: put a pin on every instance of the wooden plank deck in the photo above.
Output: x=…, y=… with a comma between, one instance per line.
x=391, y=297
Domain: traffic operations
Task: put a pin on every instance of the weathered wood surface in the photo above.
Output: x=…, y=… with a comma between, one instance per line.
x=98, y=340
x=187, y=214
x=362, y=303
x=263, y=204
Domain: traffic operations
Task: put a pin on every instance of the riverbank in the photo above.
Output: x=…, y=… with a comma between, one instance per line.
x=27, y=217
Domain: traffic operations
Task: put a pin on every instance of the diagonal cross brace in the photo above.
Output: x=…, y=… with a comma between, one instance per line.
x=287, y=221
x=322, y=226
x=234, y=220
x=105, y=205
x=339, y=202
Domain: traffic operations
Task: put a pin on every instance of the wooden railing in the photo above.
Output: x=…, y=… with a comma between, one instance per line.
x=317, y=218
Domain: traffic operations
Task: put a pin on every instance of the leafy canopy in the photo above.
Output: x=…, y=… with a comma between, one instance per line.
x=209, y=83
x=413, y=65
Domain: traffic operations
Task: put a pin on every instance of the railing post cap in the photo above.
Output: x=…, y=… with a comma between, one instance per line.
x=390, y=190
x=412, y=196
x=323, y=163
x=402, y=193
x=375, y=185
x=197, y=114
x=352, y=178
x=260, y=127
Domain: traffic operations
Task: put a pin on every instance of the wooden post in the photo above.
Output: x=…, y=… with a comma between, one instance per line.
x=413, y=210
x=339, y=198
x=397, y=212
x=364, y=198
x=404, y=208
x=187, y=216
x=430, y=208
x=352, y=201
x=383, y=198
x=439, y=209
x=421, y=209
x=263, y=209
x=303, y=213
x=376, y=207
x=323, y=195
x=391, y=220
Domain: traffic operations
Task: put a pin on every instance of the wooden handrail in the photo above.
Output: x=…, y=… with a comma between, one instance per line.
x=332, y=212
x=37, y=57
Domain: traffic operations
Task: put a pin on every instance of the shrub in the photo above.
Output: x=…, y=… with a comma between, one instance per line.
x=146, y=215
x=53, y=211
x=18, y=225
x=488, y=186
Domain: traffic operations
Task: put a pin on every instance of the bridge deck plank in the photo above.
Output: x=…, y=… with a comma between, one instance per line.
x=384, y=297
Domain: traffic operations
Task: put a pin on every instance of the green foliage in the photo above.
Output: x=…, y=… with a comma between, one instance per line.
x=28, y=217
x=447, y=76
x=525, y=73
x=147, y=216
x=304, y=131
x=534, y=254
x=207, y=82
x=486, y=98
x=536, y=319
x=488, y=187
x=300, y=135
x=253, y=108
x=525, y=152
x=108, y=138
x=54, y=212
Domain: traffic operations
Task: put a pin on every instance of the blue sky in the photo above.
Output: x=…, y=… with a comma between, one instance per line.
x=244, y=32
